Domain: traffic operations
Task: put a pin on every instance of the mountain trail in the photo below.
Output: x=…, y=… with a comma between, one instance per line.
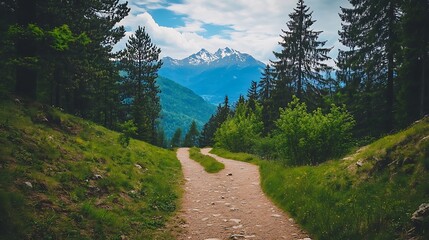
x=229, y=204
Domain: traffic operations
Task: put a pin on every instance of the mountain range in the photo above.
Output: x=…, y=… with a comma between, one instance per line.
x=214, y=75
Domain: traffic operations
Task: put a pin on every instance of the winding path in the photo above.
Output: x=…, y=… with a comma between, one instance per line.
x=229, y=204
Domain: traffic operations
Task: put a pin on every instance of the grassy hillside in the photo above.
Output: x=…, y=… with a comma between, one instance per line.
x=65, y=178
x=180, y=106
x=370, y=194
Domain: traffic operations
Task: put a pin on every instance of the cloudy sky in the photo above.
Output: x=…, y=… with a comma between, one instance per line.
x=183, y=27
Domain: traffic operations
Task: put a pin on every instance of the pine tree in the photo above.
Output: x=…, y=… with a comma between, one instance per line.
x=176, y=140
x=413, y=96
x=265, y=97
x=266, y=84
x=161, y=138
x=369, y=29
x=252, y=94
x=215, y=121
x=301, y=60
x=26, y=50
x=241, y=100
x=141, y=62
x=206, y=136
x=191, y=137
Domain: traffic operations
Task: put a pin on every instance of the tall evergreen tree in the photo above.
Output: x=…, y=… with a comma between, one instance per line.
x=176, y=140
x=266, y=84
x=252, y=94
x=207, y=133
x=191, y=137
x=141, y=63
x=369, y=29
x=209, y=129
x=301, y=61
x=265, y=97
x=413, y=96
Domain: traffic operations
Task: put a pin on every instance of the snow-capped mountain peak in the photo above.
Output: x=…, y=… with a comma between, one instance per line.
x=222, y=57
x=214, y=75
x=204, y=57
x=222, y=53
x=201, y=57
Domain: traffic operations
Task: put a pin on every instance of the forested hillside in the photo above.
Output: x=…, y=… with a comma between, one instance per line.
x=181, y=106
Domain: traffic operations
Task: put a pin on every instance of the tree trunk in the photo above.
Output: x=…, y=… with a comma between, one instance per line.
x=423, y=88
x=390, y=67
x=26, y=49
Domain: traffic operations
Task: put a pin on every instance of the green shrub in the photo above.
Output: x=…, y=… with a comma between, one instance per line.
x=311, y=138
x=239, y=133
x=128, y=130
x=266, y=148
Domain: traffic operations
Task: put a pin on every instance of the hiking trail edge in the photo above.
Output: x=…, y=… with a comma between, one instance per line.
x=229, y=204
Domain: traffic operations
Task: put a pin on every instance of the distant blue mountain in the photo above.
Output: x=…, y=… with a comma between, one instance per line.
x=214, y=75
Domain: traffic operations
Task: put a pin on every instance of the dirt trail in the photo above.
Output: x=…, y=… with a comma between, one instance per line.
x=230, y=204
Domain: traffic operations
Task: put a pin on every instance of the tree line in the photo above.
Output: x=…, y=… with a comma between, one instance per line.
x=304, y=111
x=61, y=53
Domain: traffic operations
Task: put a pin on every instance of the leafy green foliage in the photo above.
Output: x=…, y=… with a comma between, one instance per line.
x=63, y=37
x=311, y=138
x=239, y=132
x=210, y=164
x=128, y=129
x=340, y=200
x=85, y=185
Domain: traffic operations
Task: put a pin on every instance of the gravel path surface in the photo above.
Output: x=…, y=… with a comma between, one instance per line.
x=229, y=204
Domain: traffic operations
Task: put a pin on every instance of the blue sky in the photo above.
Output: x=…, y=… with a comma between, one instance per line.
x=183, y=27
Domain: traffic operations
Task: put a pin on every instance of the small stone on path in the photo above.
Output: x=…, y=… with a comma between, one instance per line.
x=238, y=226
x=235, y=220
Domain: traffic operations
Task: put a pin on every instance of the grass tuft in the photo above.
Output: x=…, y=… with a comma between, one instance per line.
x=210, y=164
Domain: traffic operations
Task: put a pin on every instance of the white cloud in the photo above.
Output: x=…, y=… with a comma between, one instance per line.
x=255, y=25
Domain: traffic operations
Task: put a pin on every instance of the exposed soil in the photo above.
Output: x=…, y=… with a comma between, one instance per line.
x=229, y=204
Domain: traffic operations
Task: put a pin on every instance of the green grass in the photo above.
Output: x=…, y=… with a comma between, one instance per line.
x=339, y=200
x=137, y=192
x=210, y=164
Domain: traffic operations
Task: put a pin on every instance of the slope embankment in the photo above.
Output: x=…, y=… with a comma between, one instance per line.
x=65, y=178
